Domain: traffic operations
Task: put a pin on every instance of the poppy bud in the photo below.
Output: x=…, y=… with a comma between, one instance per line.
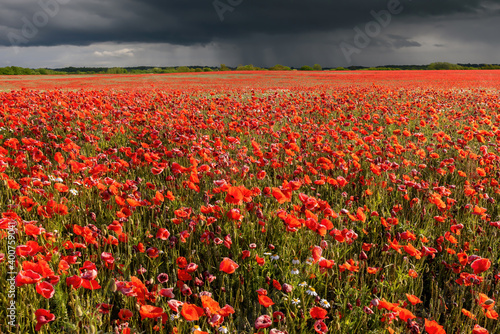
x=358, y=302
x=349, y=306
x=363, y=256
x=173, y=241
x=367, y=310
x=78, y=311
x=112, y=285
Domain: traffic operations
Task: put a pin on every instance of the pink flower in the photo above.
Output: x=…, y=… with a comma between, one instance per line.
x=275, y=331
x=167, y=293
x=263, y=321
x=320, y=327
x=287, y=288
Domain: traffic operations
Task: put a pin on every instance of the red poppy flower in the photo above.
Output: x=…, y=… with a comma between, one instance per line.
x=468, y=314
x=62, y=188
x=43, y=317
x=245, y=254
x=234, y=214
x=150, y=311
x=404, y=314
x=45, y=289
x=174, y=305
x=486, y=302
x=316, y=253
x=413, y=299
x=90, y=284
x=260, y=260
x=153, y=252
x=479, y=330
x=27, y=277
x=432, y=327
x=480, y=265
x=318, y=312
x=226, y=310
x=210, y=304
x=191, y=312
x=74, y=281
x=320, y=327
x=163, y=234
x=234, y=195
x=104, y=308
x=265, y=301
x=228, y=266
x=280, y=196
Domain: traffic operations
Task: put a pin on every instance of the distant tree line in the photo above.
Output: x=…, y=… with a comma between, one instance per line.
x=15, y=70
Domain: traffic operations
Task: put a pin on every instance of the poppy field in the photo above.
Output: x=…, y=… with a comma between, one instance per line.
x=269, y=203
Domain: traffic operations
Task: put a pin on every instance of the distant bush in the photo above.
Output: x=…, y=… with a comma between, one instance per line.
x=249, y=67
x=116, y=70
x=182, y=69
x=279, y=67
x=444, y=66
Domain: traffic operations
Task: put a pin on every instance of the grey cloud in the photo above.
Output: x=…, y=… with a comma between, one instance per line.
x=402, y=42
x=187, y=22
x=261, y=32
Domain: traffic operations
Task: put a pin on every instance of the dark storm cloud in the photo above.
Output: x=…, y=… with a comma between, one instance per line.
x=402, y=42
x=190, y=22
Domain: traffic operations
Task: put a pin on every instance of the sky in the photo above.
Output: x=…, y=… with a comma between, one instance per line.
x=332, y=33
